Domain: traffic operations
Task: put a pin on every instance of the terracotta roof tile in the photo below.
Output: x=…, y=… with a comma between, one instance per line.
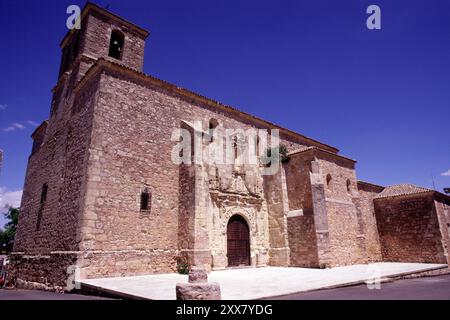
x=401, y=190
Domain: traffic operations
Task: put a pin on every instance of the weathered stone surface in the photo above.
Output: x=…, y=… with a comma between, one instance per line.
x=198, y=287
x=198, y=274
x=366, y=207
x=198, y=291
x=410, y=229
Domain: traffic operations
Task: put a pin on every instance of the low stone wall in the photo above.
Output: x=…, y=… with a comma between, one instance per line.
x=51, y=273
x=58, y=271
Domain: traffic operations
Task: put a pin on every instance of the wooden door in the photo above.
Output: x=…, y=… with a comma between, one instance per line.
x=238, y=242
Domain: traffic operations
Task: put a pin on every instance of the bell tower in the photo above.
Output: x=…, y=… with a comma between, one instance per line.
x=102, y=35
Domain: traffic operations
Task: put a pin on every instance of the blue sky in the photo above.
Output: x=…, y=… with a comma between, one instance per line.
x=380, y=96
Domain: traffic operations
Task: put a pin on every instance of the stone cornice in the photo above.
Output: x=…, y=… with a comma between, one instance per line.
x=317, y=150
x=41, y=127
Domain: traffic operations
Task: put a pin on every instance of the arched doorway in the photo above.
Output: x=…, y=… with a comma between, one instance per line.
x=238, y=242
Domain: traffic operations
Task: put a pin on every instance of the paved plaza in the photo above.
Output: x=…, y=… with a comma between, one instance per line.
x=257, y=283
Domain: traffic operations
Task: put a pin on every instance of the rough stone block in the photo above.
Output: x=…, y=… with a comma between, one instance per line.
x=198, y=275
x=198, y=291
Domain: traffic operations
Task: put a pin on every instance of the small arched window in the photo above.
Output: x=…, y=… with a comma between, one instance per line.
x=239, y=144
x=329, y=181
x=235, y=147
x=116, y=44
x=349, y=185
x=44, y=192
x=213, y=123
x=146, y=200
x=257, y=145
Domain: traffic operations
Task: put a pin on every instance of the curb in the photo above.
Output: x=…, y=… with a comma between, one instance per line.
x=391, y=278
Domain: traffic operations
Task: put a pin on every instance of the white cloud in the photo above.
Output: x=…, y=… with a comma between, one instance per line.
x=13, y=127
x=3, y=106
x=446, y=173
x=18, y=125
x=9, y=199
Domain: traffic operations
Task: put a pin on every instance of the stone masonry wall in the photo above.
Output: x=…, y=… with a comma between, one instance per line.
x=345, y=235
x=131, y=149
x=409, y=230
x=50, y=229
x=301, y=229
x=367, y=193
x=53, y=272
x=303, y=241
x=442, y=210
x=279, y=245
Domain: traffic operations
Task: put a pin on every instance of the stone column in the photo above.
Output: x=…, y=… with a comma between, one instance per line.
x=198, y=287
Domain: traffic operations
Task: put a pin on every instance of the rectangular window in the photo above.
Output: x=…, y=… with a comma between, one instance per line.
x=145, y=200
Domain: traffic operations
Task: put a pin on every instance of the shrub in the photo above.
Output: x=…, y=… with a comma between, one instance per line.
x=183, y=268
x=282, y=151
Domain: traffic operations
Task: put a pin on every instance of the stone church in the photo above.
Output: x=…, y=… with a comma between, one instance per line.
x=103, y=198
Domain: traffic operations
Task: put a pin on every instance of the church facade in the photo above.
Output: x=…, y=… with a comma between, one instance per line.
x=103, y=196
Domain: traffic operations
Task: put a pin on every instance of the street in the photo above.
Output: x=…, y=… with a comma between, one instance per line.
x=429, y=288
x=10, y=294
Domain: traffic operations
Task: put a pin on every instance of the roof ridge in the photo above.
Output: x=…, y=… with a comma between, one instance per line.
x=402, y=189
x=409, y=185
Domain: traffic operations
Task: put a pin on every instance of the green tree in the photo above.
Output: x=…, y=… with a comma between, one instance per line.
x=7, y=234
